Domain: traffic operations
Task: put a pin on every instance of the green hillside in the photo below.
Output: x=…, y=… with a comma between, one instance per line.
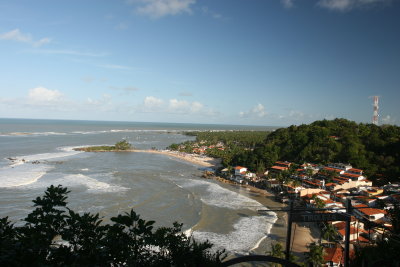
x=375, y=149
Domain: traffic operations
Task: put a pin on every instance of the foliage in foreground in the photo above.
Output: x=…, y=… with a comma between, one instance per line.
x=55, y=235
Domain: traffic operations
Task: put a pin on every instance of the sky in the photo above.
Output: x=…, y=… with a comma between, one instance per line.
x=242, y=62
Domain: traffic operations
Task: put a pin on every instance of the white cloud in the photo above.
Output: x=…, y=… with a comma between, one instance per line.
x=287, y=3
x=161, y=8
x=151, y=102
x=44, y=95
x=18, y=36
x=346, y=5
x=257, y=111
x=175, y=104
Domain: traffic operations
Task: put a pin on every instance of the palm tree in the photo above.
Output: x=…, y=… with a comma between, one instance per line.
x=315, y=255
x=276, y=251
x=329, y=232
x=318, y=203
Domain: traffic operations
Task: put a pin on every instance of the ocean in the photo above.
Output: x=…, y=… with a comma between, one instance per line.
x=35, y=154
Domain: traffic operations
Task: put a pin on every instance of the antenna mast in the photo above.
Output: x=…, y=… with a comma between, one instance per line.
x=376, y=108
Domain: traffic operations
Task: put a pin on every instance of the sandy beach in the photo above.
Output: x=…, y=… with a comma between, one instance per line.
x=193, y=158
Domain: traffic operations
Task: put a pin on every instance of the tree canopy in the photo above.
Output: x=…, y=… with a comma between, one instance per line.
x=54, y=235
x=375, y=149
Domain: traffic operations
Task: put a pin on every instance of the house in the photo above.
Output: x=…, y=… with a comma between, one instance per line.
x=355, y=232
x=334, y=256
x=371, y=191
x=341, y=166
x=371, y=214
x=240, y=171
x=280, y=166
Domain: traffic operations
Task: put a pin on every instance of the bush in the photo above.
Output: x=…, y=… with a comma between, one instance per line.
x=123, y=145
x=55, y=235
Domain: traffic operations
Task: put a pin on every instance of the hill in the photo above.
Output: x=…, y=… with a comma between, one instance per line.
x=375, y=149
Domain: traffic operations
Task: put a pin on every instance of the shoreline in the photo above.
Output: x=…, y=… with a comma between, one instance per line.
x=203, y=161
x=302, y=234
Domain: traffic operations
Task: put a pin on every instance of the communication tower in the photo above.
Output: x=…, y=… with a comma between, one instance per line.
x=376, y=108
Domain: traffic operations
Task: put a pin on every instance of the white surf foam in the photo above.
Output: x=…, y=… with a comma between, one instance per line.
x=64, y=152
x=92, y=185
x=221, y=197
x=24, y=174
x=247, y=232
x=32, y=133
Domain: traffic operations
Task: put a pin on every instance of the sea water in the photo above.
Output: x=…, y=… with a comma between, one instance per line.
x=35, y=154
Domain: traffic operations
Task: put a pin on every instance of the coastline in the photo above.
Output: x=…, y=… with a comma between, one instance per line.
x=201, y=160
x=302, y=235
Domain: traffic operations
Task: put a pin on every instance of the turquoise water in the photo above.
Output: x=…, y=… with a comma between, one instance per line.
x=37, y=153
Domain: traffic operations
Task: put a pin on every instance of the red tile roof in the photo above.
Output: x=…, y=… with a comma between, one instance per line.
x=239, y=167
x=372, y=211
x=334, y=254
x=351, y=175
x=279, y=168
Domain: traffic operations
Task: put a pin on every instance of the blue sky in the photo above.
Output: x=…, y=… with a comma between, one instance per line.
x=254, y=62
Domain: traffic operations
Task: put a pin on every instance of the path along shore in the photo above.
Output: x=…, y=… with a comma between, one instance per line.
x=302, y=234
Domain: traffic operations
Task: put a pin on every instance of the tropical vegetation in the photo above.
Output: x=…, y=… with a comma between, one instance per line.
x=54, y=235
x=374, y=149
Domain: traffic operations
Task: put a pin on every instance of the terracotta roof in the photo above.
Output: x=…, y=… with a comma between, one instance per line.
x=279, y=168
x=239, y=167
x=334, y=254
x=372, y=211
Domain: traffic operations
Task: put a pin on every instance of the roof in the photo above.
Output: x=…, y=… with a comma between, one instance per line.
x=334, y=254
x=239, y=167
x=372, y=211
x=351, y=175
x=279, y=168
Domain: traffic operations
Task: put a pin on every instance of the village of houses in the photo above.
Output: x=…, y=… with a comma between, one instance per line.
x=369, y=219
x=312, y=186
